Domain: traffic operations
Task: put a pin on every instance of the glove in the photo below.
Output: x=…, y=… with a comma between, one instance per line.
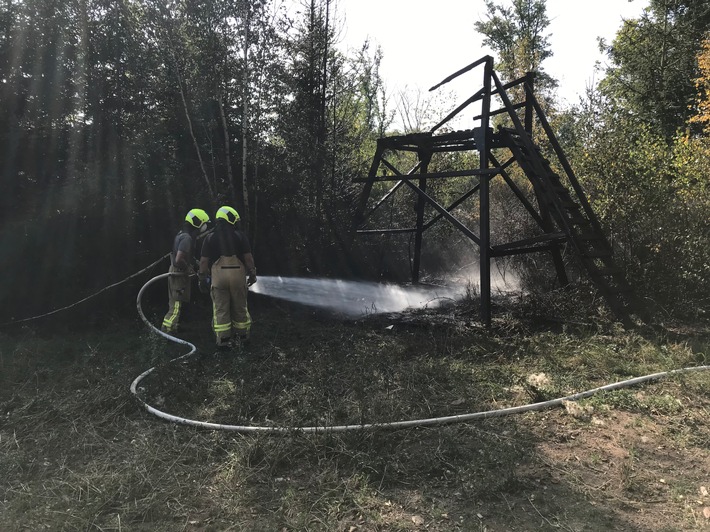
x=204, y=283
x=252, y=278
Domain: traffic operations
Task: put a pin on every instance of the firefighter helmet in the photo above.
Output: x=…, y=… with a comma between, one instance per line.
x=227, y=213
x=197, y=218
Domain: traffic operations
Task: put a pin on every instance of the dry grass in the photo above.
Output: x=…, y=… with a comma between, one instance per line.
x=77, y=453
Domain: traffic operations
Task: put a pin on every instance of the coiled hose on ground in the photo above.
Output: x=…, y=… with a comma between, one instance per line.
x=445, y=420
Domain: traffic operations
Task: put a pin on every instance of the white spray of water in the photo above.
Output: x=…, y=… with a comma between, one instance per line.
x=355, y=298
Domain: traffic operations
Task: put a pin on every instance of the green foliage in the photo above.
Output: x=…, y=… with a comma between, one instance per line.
x=653, y=63
x=646, y=177
x=652, y=198
x=323, y=137
x=702, y=84
x=116, y=117
x=516, y=32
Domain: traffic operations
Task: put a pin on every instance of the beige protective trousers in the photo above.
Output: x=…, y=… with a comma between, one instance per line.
x=229, y=299
x=179, y=291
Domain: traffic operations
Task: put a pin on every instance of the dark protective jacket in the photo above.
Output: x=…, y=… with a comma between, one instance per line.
x=225, y=241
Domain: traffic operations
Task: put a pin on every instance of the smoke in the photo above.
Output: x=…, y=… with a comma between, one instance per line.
x=503, y=279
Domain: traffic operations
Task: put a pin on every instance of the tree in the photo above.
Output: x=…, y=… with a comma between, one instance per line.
x=653, y=63
x=419, y=111
x=702, y=86
x=118, y=115
x=517, y=34
x=651, y=195
x=302, y=124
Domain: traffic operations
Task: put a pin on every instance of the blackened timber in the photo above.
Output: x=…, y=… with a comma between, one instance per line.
x=502, y=110
x=519, y=194
x=510, y=85
x=391, y=191
x=529, y=111
x=453, y=206
x=384, y=198
x=560, y=209
x=434, y=175
x=566, y=166
x=424, y=157
x=465, y=230
x=594, y=254
x=456, y=74
x=391, y=167
x=362, y=202
x=525, y=250
x=482, y=140
x=386, y=231
x=549, y=238
x=544, y=218
x=417, y=141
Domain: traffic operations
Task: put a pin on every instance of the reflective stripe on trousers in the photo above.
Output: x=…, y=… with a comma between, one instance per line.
x=179, y=292
x=171, y=317
x=229, y=298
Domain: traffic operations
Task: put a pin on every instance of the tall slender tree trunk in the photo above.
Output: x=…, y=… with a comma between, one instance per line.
x=210, y=189
x=227, y=152
x=245, y=118
x=171, y=51
x=320, y=162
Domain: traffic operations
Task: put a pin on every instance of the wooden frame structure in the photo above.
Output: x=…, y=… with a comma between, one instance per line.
x=560, y=207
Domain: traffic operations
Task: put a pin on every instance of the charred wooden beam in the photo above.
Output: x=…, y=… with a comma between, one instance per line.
x=458, y=224
x=455, y=204
x=391, y=191
x=434, y=175
x=518, y=193
x=502, y=110
x=456, y=74
x=548, y=238
x=522, y=251
x=385, y=231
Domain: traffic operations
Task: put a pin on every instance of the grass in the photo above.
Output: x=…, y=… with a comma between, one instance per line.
x=78, y=453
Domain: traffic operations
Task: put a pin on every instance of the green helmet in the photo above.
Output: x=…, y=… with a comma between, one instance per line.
x=227, y=213
x=197, y=218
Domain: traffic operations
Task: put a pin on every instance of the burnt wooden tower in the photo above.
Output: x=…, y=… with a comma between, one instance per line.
x=559, y=206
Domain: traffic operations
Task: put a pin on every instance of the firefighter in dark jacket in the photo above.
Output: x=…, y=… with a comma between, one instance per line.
x=228, y=264
x=181, y=259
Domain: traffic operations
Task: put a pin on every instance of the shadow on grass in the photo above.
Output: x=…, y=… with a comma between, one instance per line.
x=76, y=452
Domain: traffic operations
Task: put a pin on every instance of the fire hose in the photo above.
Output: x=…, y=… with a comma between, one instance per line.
x=390, y=425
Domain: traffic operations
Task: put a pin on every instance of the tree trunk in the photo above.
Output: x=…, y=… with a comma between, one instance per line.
x=171, y=51
x=227, y=153
x=210, y=189
x=245, y=113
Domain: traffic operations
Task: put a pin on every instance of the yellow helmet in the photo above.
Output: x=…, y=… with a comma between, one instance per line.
x=197, y=218
x=227, y=213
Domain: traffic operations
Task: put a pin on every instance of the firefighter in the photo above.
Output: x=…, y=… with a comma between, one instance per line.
x=181, y=262
x=226, y=270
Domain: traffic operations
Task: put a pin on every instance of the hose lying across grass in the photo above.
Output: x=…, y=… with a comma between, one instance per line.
x=369, y=426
